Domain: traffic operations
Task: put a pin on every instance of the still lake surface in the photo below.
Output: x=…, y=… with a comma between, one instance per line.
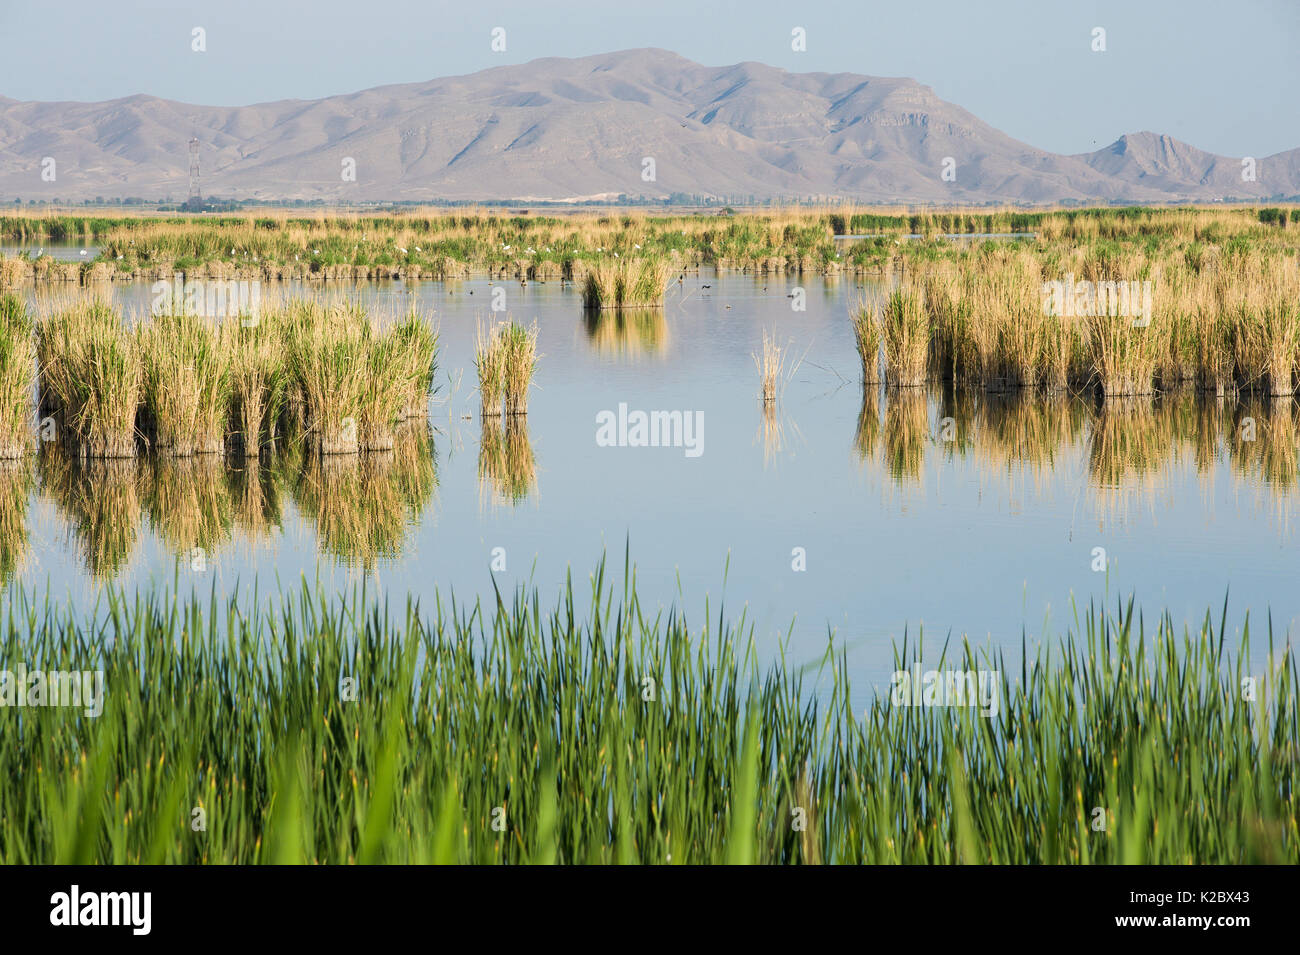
x=969, y=514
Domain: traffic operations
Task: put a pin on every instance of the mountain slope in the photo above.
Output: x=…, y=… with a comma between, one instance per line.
x=570, y=128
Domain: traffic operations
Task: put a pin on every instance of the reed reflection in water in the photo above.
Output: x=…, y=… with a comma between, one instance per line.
x=363, y=508
x=1125, y=451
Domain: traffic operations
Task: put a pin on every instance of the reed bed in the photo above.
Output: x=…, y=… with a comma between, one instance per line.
x=520, y=732
x=625, y=283
x=905, y=332
x=866, y=339
x=259, y=383
x=1270, y=344
x=92, y=376
x=186, y=384
x=489, y=362
x=505, y=357
x=354, y=381
x=1125, y=357
x=417, y=342
x=1128, y=320
x=518, y=364
x=191, y=386
x=17, y=377
x=328, y=360
x=277, y=245
x=770, y=361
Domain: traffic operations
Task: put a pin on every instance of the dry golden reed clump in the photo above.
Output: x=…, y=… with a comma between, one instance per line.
x=506, y=358
x=92, y=375
x=17, y=377
x=906, y=335
x=186, y=383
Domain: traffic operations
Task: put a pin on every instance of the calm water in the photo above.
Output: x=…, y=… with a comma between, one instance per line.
x=984, y=524
x=59, y=251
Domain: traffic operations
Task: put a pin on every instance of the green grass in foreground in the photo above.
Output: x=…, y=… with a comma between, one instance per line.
x=537, y=719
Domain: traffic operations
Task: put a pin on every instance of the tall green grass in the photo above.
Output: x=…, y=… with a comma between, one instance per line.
x=309, y=729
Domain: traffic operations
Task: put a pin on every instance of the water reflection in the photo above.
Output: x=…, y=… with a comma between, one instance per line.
x=364, y=507
x=507, y=468
x=906, y=434
x=778, y=432
x=867, y=435
x=1125, y=450
x=16, y=481
x=100, y=501
x=629, y=331
x=189, y=502
x=1262, y=443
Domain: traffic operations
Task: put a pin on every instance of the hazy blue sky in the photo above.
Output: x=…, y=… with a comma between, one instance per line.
x=1223, y=75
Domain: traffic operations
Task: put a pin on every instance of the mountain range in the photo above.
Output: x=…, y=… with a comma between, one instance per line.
x=636, y=123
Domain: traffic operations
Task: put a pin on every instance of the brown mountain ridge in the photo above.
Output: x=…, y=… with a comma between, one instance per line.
x=569, y=129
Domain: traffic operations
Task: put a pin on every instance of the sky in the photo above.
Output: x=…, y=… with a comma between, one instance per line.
x=1222, y=75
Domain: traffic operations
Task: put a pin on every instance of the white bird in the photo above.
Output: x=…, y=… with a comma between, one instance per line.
x=616, y=255
x=505, y=248
x=599, y=249
x=548, y=250
x=119, y=258
x=418, y=249
x=402, y=250
x=315, y=251
x=83, y=251
x=636, y=246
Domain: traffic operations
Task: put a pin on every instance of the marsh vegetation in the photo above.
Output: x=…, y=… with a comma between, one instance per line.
x=487, y=734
